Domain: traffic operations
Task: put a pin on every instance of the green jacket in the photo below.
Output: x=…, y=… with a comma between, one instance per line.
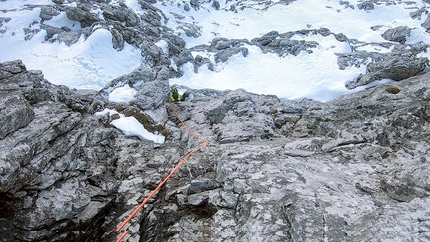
x=175, y=98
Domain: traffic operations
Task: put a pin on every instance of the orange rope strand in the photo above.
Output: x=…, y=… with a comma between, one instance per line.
x=206, y=143
x=186, y=128
x=122, y=236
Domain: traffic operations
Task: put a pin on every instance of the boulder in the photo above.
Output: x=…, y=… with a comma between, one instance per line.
x=122, y=14
x=216, y=4
x=398, y=65
x=83, y=14
x=224, y=55
x=195, y=4
x=398, y=34
x=283, y=45
x=48, y=12
x=15, y=112
x=366, y=5
x=426, y=24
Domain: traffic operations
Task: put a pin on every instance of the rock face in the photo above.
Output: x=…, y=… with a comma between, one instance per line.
x=398, y=34
x=351, y=169
x=48, y=149
x=401, y=63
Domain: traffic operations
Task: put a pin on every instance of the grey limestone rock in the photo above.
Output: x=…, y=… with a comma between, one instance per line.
x=187, y=7
x=200, y=61
x=283, y=45
x=397, y=34
x=153, y=55
x=191, y=29
x=82, y=14
x=63, y=34
x=201, y=185
x=216, y=4
x=15, y=112
x=121, y=13
x=366, y=5
x=195, y=4
x=152, y=95
x=294, y=183
x=221, y=43
x=417, y=14
x=48, y=12
x=426, y=24
x=224, y=55
x=357, y=58
x=398, y=65
x=46, y=158
x=117, y=39
x=351, y=169
x=346, y=169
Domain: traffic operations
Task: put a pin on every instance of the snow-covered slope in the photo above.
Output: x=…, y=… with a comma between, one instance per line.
x=90, y=61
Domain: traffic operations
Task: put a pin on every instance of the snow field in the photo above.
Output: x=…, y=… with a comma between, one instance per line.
x=88, y=64
x=92, y=62
x=314, y=75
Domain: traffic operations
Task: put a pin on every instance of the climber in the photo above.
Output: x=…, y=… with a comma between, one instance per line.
x=176, y=97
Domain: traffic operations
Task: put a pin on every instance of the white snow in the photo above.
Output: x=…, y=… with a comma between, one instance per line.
x=122, y=94
x=163, y=45
x=304, y=14
x=18, y=4
x=313, y=75
x=106, y=111
x=92, y=63
x=61, y=20
x=131, y=127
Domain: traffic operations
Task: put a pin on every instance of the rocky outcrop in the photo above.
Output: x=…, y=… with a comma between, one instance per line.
x=82, y=14
x=349, y=169
x=52, y=154
x=366, y=5
x=48, y=12
x=401, y=63
x=398, y=34
x=283, y=44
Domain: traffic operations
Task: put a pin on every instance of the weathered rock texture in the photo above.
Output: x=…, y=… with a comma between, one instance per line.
x=399, y=64
x=352, y=169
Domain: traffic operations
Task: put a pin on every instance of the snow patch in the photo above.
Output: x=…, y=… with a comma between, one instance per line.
x=122, y=94
x=131, y=127
x=163, y=45
x=62, y=20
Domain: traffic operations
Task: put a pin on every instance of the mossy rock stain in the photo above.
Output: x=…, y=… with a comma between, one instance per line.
x=140, y=116
x=392, y=89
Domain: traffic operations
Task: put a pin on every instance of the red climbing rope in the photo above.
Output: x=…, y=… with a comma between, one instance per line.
x=122, y=236
x=205, y=143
